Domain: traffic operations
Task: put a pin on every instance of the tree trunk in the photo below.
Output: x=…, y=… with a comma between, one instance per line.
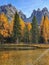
x=17, y=41
x=46, y=41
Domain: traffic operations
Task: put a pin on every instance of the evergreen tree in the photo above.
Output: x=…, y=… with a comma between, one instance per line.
x=35, y=31
x=26, y=34
x=16, y=28
x=1, y=39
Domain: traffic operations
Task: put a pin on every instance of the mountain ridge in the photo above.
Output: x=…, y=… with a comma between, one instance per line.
x=10, y=10
x=39, y=14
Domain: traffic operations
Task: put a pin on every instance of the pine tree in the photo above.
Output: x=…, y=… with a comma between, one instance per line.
x=35, y=31
x=26, y=34
x=16, y=28
x=1, y=39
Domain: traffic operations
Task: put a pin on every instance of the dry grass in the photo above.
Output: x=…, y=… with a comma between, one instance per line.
x=22, y=45
x=23, y=57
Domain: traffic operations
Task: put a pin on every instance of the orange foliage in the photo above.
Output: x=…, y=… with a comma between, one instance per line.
x=22, y=23
x=44, y=27
x=5, y=24
x=29, y=26
x=9, y=26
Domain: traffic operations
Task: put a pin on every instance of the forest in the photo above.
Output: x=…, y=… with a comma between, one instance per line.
x=18, y=31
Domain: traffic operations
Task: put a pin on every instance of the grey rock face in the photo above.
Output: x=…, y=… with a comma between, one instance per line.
x=39, y=14
x=10, y=10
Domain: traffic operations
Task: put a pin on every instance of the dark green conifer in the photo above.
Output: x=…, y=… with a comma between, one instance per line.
x=16, y=28
x=26, y=34
x=35, y=30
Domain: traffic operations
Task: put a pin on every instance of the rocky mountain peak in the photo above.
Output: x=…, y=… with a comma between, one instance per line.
x=10, y=10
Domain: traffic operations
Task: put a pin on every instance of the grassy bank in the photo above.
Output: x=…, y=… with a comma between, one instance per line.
x=23, y=46
x=11, y=55
x=24, y=57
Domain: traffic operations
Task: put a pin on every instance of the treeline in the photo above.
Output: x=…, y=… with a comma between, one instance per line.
x=35, y=34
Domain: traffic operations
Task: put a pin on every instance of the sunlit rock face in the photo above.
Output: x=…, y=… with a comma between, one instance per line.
x=38, y=13
x=10, y=10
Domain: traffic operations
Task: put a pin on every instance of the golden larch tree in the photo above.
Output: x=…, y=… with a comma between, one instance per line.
x=4, y=25
x=44, y=28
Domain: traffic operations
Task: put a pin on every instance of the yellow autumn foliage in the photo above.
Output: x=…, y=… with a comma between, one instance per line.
x=8, y=26
x=11, y=25
x=44, y=27
x=5, y=24
x=29, y=26
x=22, y=23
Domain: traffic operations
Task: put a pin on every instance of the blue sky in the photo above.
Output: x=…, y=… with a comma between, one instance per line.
x=27, y=6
